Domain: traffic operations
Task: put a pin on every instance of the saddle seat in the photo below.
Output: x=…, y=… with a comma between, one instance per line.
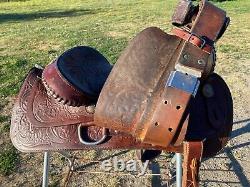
x=83, y=70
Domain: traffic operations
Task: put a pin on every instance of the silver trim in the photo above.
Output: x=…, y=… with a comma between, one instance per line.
x=183, y=81
x=91, y=143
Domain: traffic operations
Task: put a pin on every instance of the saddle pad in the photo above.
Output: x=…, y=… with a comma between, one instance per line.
x=211, y=115
x=28, y=135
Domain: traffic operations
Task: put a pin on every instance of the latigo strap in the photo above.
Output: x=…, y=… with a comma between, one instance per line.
x=199, y=30
x=192, y=158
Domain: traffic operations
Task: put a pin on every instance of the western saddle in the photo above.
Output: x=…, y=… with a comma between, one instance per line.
x=161, y=94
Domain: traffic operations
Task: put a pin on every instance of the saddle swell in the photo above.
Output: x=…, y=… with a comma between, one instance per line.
x=166, y=74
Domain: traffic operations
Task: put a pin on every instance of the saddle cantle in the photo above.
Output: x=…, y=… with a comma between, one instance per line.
x=77, y=76
x=161, y=94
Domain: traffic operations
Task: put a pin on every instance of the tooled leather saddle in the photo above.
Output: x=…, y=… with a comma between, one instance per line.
x=161, y=94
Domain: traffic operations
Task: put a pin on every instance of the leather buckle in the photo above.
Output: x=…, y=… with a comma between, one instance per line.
x=203, y=40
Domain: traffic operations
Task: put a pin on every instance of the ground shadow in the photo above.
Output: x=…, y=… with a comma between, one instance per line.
x=235, y=165
x=242, y=121
x=82, y=167
x=9, y=17
x=237, y=168
x=240, y=131
x=156, y=179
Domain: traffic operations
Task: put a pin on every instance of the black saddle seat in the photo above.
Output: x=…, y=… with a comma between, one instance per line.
x=85, y=68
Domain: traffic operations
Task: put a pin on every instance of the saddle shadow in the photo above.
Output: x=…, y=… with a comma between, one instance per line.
x=160, y=170
x=242, y=130
x=235, y=165
x=17, y=17
x=156, y=179
x=236, y=168
x=241, y=121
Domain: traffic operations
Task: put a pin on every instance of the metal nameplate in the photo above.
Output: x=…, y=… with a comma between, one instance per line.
x=183, y=81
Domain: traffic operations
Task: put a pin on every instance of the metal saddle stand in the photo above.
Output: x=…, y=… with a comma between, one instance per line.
x=45, y=183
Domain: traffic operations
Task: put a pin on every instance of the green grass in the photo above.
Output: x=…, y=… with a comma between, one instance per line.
x=8, y=160
x=36, y=31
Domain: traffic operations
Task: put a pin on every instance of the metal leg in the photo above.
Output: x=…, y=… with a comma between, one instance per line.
x=178, y=170
x=46, y=170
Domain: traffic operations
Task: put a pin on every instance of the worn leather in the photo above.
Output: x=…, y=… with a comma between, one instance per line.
x=136, y=87
x=191, y=163
x=29, y=135
x=183, y=13
x=210, y=29
x=132, y=99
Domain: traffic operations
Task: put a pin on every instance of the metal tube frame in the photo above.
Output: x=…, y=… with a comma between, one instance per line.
x=46, y=168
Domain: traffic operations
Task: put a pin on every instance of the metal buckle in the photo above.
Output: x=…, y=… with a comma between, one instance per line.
x=203, y=40
x=103, y=138
x=183, y=81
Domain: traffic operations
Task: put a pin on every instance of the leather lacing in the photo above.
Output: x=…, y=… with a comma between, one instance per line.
x=56, y=96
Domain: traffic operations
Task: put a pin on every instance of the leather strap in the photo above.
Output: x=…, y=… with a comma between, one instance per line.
x=193, y=39
x=192, y=158
x=181, y=15
x=214, y=18
x=199, y=34
x=173, y=104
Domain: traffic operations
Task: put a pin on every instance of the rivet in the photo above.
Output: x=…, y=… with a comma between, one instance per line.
x=157, y=124
x=201, y=62
x=208, y=91
x=185, y=56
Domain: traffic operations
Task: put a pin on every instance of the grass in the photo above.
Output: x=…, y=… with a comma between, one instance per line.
x=8, y=160
x=36, y=31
